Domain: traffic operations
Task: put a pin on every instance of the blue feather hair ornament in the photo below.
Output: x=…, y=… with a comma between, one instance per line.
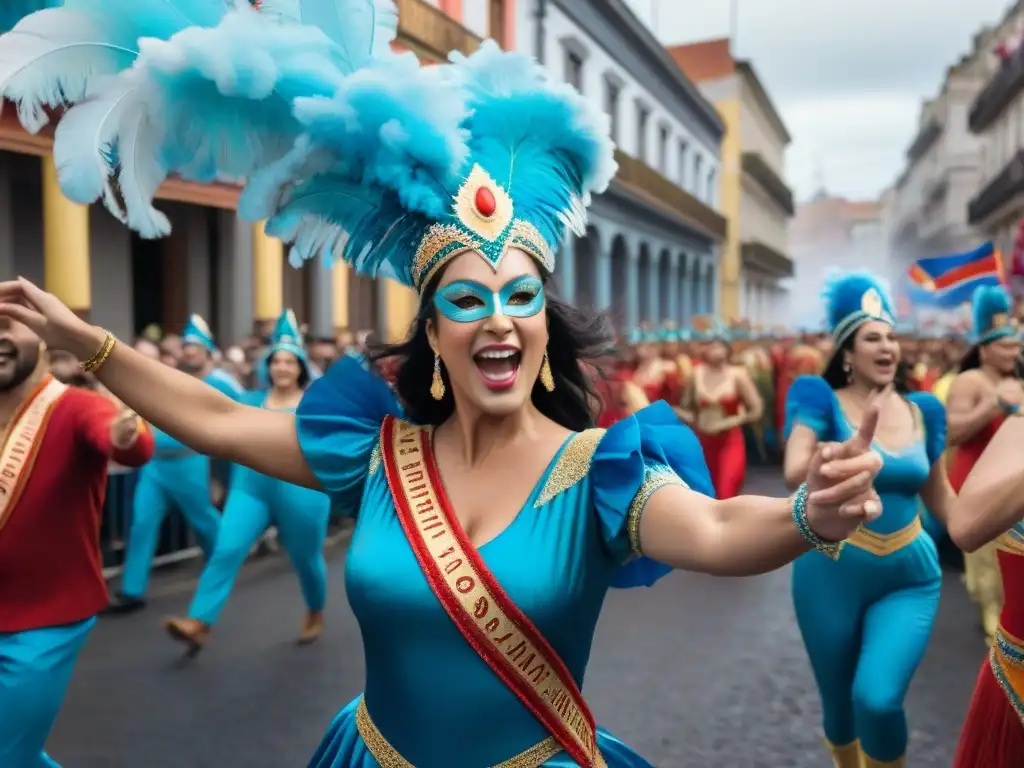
x=852, y=299
x=348, y=149
x=991, y=313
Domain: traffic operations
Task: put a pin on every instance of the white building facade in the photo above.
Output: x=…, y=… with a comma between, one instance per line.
x=651, y=248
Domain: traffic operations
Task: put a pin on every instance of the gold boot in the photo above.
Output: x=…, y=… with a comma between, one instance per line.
x=846, y=756
x=870, y=762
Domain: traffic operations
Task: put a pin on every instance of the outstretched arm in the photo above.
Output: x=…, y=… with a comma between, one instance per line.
x=181, y=405
x=991, y=500
x=748, y=535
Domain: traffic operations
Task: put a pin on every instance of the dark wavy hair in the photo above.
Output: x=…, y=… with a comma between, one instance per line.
x=972, y=359
x=575, y=336
x=835, y=376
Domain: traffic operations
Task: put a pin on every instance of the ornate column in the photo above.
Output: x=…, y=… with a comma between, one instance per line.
x=339, y=304
x=632, y=288
x=321, y=310
x=401, y=305
x=66, y=264
x=603, y=270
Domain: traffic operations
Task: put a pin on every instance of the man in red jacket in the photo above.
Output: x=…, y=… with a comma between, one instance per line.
x=57, y=441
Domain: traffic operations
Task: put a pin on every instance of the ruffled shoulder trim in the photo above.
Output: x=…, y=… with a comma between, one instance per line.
x=636, y=457
x=338, y=423
x=810, y=401
x=933, y=413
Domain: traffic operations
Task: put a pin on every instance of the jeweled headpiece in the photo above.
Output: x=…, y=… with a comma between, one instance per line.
x=349, y=149
x=852, y=299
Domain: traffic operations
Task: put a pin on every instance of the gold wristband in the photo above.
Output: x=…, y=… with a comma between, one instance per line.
x=94, y=363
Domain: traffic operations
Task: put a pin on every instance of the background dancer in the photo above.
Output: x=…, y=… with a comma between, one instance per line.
x=177, y=477
x=866, y=619
x=255, y=502
x=719, y=402
x=985, y=391
x=54, y=456
x=508, y=485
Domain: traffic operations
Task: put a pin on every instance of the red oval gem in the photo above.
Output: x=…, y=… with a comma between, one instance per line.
x=485, y=202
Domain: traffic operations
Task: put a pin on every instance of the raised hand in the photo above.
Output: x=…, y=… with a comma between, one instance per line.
x=840, y=480
x=27, y=303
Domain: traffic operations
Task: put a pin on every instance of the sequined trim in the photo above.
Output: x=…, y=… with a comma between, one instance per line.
x=882, y=544
x=655, y=477
x=375, y=459
x=1007, y=661
x=388, y=757
x=572, y=465
x=1012, y=541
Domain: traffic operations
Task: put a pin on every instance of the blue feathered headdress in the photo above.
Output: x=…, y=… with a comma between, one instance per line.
x=198, y=332
x=348, y=149
x=991, y=308
x=852, y=299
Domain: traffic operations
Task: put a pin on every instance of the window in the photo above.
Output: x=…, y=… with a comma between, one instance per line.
x=684, y=147
x=698, y=161
x=612, y=92
x=711, y=187
x=663, y=149
x=643, y=117
x=574, y=70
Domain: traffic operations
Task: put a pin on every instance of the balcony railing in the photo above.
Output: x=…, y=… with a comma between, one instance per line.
x=643, y=180
x=430, y=32
x=765, y=175
x=999, y=191
x=998, y=93
x=765, y=258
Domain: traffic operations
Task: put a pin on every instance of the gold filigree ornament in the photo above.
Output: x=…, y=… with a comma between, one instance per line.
x=871, y=303
x=482, y=206
x=1000, y=320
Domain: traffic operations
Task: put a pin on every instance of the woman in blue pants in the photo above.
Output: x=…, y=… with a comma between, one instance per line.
x=866, y=617
x=255, y=502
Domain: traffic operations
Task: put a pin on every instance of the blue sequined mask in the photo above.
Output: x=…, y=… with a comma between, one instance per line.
x=466, y=301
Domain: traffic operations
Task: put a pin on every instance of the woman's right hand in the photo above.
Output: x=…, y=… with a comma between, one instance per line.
x=47, y=316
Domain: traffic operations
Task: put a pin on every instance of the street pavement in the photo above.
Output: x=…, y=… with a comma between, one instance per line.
x=696, y=672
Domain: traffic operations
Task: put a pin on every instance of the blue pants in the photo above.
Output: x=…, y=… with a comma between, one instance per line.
x=866, y=621
x=255, y=503
x=184, y=483
x=35, y=668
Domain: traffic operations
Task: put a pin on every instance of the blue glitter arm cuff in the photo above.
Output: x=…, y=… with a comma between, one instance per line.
x=831, y=549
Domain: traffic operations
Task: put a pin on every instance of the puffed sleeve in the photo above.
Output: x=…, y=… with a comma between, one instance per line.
x=934, y=415
x=338, y=423
x=810, y=401
x=636, y=457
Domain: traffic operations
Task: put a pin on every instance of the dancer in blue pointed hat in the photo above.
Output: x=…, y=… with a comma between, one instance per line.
x=176, y=477
x=256, y=502
x=492, y=517
x=866, y=618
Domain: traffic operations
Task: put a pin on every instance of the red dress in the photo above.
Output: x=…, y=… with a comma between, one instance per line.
x=993, y=734
x=725, y=452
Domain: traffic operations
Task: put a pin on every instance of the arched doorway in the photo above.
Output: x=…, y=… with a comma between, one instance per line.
x=585, y=251
x=620, y=282
x=697, y=288
x=666, y=289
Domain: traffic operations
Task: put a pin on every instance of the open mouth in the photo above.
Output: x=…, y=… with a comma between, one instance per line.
x=498, y=366
x=885, y=365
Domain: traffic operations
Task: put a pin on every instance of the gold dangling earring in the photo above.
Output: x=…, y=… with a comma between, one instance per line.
x=848, y=370
x=547, y=380
x=437, y=384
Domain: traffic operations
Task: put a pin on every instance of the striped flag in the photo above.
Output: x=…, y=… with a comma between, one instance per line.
x=949, y=281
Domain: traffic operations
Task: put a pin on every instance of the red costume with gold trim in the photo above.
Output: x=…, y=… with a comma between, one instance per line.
x=801, y=360
x=53, y=479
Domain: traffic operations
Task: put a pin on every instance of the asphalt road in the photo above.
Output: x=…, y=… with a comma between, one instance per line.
x=696, y=672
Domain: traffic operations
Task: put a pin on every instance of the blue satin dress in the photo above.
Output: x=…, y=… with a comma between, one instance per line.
x=866, y=619
x=427, y=691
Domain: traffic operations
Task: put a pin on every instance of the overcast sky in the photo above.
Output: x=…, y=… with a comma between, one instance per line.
x=847, y=77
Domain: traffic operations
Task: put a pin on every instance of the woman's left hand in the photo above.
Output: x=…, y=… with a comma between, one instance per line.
x=840, y=481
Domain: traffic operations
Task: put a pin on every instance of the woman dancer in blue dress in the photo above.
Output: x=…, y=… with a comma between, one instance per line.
x=491, y=518
x=255, y=502
x=866, y=619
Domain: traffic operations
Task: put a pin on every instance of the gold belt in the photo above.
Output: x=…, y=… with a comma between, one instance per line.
x=1006, y=659
x=882, y=544
x=388, y=756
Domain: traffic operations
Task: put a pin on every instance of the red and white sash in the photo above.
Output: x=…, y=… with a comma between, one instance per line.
x=21, y=442
x=489, y=621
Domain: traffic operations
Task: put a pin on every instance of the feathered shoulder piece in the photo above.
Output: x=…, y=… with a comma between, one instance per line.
x=349, y=149
x=852, y=299
x=991, y=312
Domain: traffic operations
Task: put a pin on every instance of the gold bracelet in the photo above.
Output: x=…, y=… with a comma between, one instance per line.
x=94, y=363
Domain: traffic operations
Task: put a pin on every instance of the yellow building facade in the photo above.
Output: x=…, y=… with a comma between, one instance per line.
x=752, y=195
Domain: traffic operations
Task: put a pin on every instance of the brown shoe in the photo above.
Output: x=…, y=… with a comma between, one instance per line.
x=192, y=632
x=312, y=627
